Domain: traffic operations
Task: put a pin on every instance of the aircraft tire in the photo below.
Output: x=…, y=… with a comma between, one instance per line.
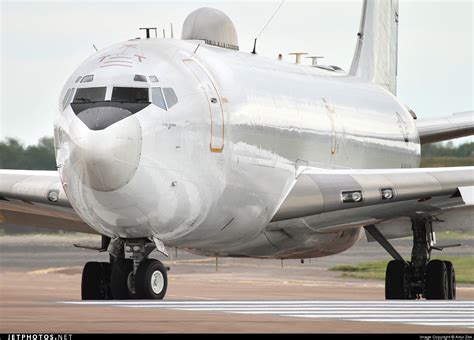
x=151, y=280
x=95, y=283
x=396, y=280
x=451, y=280
x=436, y=281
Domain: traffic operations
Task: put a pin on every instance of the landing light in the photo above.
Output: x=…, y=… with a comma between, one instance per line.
x=351, y=196
x=53, y=196
x=387, y=194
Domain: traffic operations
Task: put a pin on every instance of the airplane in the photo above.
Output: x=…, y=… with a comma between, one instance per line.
x=194, y=144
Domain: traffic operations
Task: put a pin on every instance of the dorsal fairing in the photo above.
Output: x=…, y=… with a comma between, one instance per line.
x=375, y=57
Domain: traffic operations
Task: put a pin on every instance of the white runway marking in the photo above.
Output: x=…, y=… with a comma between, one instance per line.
x=428, y=313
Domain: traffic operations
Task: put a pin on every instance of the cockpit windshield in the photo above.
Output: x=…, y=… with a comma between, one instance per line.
x=89, y=94
x=130, y=94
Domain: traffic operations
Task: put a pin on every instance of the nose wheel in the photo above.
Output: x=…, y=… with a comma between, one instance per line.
x=151, y=280
x=125, y=278
x=96, y=281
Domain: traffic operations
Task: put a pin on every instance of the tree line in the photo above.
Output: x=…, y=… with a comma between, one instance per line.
x=14, y=155
x=447, y=149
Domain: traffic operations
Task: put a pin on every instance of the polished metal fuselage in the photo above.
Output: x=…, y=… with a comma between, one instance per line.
x=210, y=173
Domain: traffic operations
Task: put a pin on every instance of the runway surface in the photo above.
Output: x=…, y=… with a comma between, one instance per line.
x=427, y=313
x=40, y=280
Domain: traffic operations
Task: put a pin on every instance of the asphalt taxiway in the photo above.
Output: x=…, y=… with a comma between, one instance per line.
x=40, y=292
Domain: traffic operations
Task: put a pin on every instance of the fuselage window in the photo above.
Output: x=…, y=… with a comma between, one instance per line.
x=130, y=94
x=90, y=94
x=157, y=97
x=78, y=78
x=139, y=77
x=88, y=78
x=170, y=96
x=67, y=98
x=153, y=79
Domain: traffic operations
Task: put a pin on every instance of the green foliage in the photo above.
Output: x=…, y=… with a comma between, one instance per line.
x=454, y=235
x=446, y=154
x=14, y=155
x=447, y=150
x=464, y=267
x=434, y=162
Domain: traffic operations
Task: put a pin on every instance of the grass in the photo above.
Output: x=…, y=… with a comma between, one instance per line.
x=450, y=235
x=454, y=235
x=464, y=267
x=433, y=162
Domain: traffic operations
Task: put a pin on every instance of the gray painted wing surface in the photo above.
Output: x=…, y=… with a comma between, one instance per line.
x=444, y=128
x=36, y=198
x=319, y=192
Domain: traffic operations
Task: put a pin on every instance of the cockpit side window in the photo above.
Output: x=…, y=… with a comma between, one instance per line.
x=130, y=94
x=88, y=78
x=139, y=77
x=157, y=97
x=90, y=94
x=67, y=98
x=170, y=96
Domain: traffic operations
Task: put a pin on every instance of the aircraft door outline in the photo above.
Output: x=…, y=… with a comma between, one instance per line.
x=216, y=109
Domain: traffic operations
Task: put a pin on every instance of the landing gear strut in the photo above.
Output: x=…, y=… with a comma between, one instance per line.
x=130, y=275
x=421, y=277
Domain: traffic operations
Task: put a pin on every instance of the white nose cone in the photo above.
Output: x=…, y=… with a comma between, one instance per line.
x=212, y=26
x=106, y=160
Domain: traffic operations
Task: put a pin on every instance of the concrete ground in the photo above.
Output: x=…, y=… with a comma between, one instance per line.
x=38, y=274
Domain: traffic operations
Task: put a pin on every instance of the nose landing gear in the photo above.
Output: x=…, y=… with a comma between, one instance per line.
x=96, y=281
x=421, y=277
x=151, y=280
x=130, y=275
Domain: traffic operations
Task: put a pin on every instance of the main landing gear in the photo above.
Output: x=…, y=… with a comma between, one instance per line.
x=129, y=275
x=421, y=277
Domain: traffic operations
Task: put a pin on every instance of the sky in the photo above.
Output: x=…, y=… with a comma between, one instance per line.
x=42, y=43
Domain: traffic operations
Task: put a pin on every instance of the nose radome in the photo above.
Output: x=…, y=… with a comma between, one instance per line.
x=106, y=159
x=99, y=118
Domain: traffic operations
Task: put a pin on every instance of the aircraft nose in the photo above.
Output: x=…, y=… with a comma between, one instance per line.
x=105, y=150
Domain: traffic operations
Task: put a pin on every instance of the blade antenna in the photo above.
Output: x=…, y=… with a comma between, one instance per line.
x=263, y=29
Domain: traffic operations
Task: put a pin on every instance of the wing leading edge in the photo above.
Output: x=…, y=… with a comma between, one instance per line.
x=323, y=199
x=36, y=198
x=444, y=128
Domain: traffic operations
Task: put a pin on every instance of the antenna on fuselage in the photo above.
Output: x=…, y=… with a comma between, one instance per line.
x=297, y=56
x=265, y=26
x=314, y=59
x=147, y=30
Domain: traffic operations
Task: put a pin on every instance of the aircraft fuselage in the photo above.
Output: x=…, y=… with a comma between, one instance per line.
x=208, y=172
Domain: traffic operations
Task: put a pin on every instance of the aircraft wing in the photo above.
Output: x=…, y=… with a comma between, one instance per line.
x=36, y=198
x=444, y=128
x=333, y=200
